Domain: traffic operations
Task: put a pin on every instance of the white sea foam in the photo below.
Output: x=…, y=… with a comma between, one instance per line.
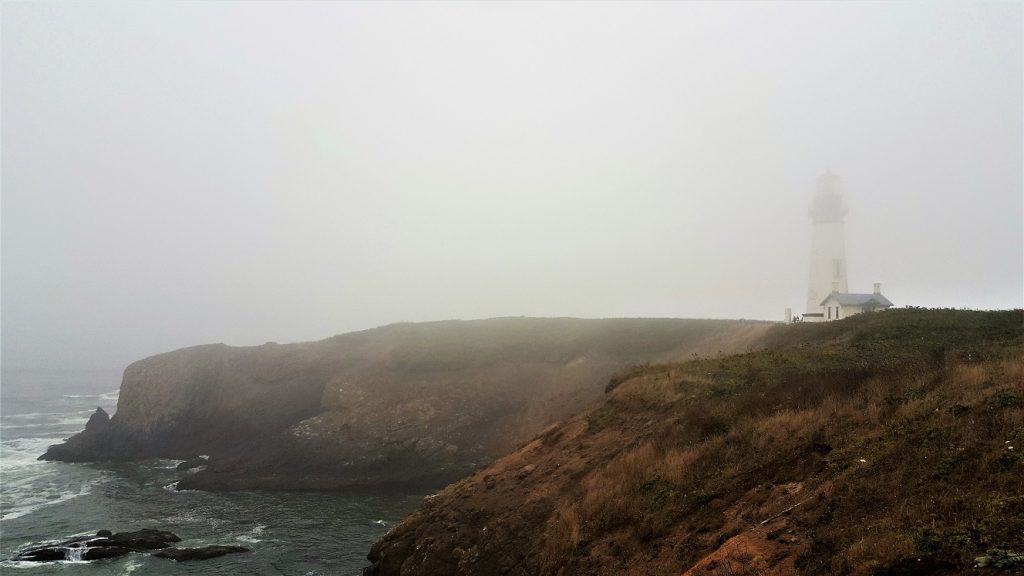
x=17, y=453
x=72, y=420
x=17, y=426
x=112, y=395
x=166, y=464
x=30, y=484
x=45, y=419
x=29, y=504
x=22, y=564
x=188, y=518
x=132, y=565
x=39, y=415
x=254, y=535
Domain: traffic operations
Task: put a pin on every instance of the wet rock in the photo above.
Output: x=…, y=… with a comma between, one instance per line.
x=106, y=544
x=145, y=539
x=81, y=548
x=41, y=554
x=105, y=552
x=202, y=553
x=193, y=463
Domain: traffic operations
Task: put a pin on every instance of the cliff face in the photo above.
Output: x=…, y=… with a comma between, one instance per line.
x=404, y=403
x=204, y=399
x=883, y=444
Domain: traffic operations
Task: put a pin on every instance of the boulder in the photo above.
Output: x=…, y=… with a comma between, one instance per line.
x=145, y=539
x=193, y=463
x=202, y=553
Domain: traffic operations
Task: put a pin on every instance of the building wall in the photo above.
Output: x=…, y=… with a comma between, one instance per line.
x=844, y=312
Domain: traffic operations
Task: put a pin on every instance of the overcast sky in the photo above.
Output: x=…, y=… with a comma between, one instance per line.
x=185, y=173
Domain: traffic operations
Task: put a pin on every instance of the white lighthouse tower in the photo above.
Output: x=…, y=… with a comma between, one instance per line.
x=828, y=246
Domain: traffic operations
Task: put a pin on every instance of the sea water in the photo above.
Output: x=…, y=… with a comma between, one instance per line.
x=300, y=533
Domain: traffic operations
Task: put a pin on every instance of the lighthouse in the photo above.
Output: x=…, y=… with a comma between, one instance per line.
x=828, y=297
x=828, y=246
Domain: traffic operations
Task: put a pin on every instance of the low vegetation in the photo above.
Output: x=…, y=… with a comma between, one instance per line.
x=886, y=443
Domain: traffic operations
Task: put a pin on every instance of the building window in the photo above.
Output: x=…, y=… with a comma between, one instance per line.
x=829, y=312
x=837, y=312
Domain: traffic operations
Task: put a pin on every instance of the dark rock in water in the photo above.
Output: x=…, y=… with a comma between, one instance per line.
x=203, y=553
x=105, y=552
x=42, y=554
x=193, y=463
x=81, y=548
x=99, y=420
x=106, y=544
x=145, y=539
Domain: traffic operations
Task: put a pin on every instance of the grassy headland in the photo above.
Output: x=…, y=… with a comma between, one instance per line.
x=887, y=443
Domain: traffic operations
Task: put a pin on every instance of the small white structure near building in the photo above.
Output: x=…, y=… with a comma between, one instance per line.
x=842, y=304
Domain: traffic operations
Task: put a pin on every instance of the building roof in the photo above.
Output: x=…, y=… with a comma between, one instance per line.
x=846, y=299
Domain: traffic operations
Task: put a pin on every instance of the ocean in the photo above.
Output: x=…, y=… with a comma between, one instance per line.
x=290, y=533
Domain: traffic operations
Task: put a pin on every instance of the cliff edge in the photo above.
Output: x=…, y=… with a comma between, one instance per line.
x=407, y=403
x=884, y=444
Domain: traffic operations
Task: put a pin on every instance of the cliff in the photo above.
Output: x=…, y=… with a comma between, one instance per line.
x=407, y=403
x=883, y=444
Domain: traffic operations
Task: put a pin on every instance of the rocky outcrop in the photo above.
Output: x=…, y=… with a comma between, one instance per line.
x=98, y=421
x=103, y=545
x=403, y=404
x=109, y=545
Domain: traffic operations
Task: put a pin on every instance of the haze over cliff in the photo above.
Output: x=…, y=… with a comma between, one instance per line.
x=408, y=403
x=184, y=172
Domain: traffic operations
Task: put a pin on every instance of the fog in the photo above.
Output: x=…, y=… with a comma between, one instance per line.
x=185, y=173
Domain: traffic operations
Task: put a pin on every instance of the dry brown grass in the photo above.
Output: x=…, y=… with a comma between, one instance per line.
x=561, y=536
x=878, y=440
x=858, y=452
